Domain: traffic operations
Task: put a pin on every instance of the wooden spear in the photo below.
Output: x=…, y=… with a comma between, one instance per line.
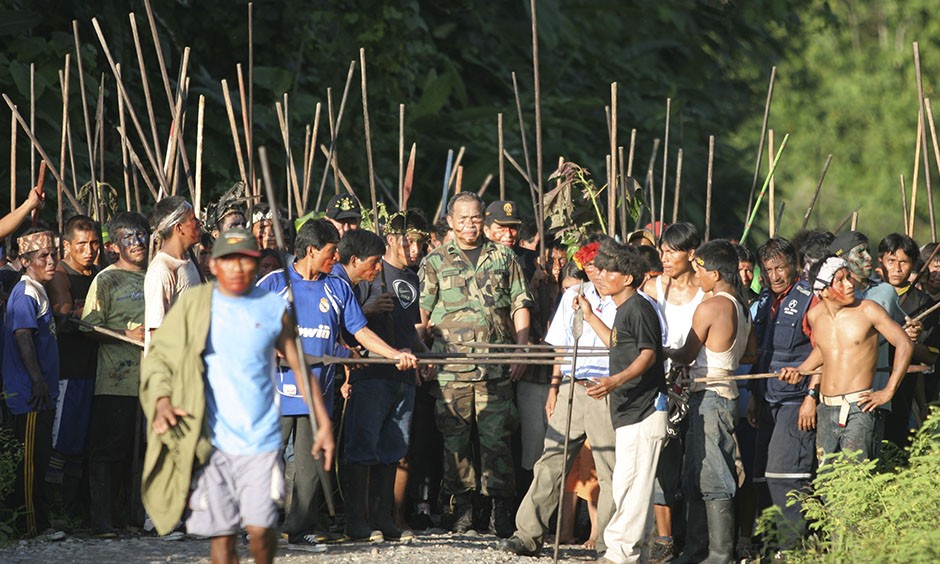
x=675, y=200
x=763, y=134
x=539, y=211
x=923, y=142
x=409, y=177
x=234, y=129
x=334, y=160
x=502, y=162
x=335, y=133
x=368, y=135
x=246, y=129
x=662, y=194
x=936, y=148
x=13, y=160
x=291, y=169
x=64, y=85
x=652, y=190
x=760, y=196
x=139, y=165
x=819, y=184
x=453, y=170
x=308, y=167
x=612, y=176
x=125, y=166
x=401, y=152
x=708, y=187
x=250, y=149
x=525, y=145
x=903, y=206
x=915, y=176
x=143, y=79
x=485, y=185
x=197, y=203
x=81, y=86
x=32, y=124
x=622, y=191
x=771, y=218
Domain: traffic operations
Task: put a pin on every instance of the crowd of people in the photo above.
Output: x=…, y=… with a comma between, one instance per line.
x=160, y=373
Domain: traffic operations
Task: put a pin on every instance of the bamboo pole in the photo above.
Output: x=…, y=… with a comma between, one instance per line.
x=662, y=194
x=32, y=123
x=143, y=78
x=125, y=166
x=81, y=86
x=130, y=107
x=649, y=186
x=923, y=142
x=760, y=196
x=334, y=133
x=771, y=193
x=60, y=187
x=763, y=134
x=539, y=211
x=903, y=206
x=453, y=170
x=135, y=159
x=612, y=174
x=250, y=149
x=309, y=164
x=675, y=199
x=200, y=116
x=246, y=130
x=409, y=177
x=485, y=185
x=502, y=162
x=708, y=187
x=234, y=129
x=915, y=176
x=401, y=152
x=291, y=169
x=525, y=145
x=368, y=134
x=13, y=128
x=812, y=203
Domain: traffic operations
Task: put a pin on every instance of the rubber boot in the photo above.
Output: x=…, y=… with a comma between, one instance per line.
x=696, y=534
x=720, y=514
x=99, y=489
x=459, y=519
x=504, y=518
x=356, y=493
x=382, y=496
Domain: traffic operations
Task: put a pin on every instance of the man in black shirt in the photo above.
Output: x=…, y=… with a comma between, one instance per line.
x=636, y=392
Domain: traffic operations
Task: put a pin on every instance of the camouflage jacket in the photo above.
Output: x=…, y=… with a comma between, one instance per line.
x=471, y=304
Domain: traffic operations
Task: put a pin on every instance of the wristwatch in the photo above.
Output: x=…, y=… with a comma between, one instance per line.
x=813, y=393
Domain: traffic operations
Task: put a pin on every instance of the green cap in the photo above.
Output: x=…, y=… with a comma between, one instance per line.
x=236, y=241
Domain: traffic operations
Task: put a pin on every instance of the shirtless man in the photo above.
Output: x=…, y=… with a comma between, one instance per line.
x=846, y=333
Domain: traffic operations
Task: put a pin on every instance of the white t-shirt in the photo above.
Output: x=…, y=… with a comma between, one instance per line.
x=166, y=279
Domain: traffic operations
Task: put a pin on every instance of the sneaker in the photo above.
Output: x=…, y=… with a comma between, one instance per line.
x=51, y=534
x=663, y=550
x=518, y=546
x=174, y=536
x=307, y=543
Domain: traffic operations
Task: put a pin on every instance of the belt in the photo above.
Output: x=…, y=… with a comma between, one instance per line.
x=584, y=382
x=843, y=402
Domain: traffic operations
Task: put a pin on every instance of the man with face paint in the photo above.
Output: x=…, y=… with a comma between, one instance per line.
x=846, y=332
x=209, y=397
x=31, y=375
x=853, y=247
x=116, y=301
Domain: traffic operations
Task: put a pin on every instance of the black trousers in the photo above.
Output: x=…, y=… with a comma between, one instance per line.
x=34, y=432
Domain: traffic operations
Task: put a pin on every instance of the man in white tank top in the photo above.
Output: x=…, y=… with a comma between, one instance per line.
x=719, y=339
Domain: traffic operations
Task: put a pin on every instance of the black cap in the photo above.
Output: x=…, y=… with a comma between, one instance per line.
x=847, y=241
x=342, y=207
x=503, y=212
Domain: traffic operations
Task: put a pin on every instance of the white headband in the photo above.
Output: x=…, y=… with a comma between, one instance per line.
x=173, y=218
x=827, y=272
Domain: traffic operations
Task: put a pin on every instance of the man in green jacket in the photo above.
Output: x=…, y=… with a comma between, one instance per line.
x=210, y=403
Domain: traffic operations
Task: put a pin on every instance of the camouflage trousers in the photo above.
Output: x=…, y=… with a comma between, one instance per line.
x=487, y=404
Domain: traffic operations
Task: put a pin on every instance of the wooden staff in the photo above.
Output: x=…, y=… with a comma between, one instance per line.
x=250, y=148
x=136, y=189
x=771, y=219
x=845, y=221
x=234, y=129
x=81, y=86
x=308, y=167
x=246, y=129
x=903, y=206
x=675, y=200
x=502, y=162
x=662, y=194
x=341, y=178
x=652, y=190
x=125, y=166
x=763, y=134
x=116, y=335
x=447, y=169
x=459, y=182
x=368, y=135
x=936, y=148
x=612, y=173
x=64, y=86
x=708, y=187
x=539, y=347
x=158, y=48
x=143, y=79
x=923, y=142
x=127, y=101
x=915, y=176
x=453, y=169
x=516, y=166
x=525, y=145
x=97, y=204
x=291, y=169
x=768, y=375
x=139, y=166
x=485, y=185
x=333, y=160
x=812, y=203
x=197, y=203
x=539, y=211
x=68, y=134
x=176, y=132
x=760, y=196
x=622, y=191
x=32, y=124
x=45, y=157
x=854, y=220
x=401, y=152
x=334, y=133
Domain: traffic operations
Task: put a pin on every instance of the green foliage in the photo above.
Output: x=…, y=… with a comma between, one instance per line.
x=11, y=452
x=875, y=511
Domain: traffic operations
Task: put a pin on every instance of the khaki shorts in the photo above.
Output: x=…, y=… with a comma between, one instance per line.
x=233, y=491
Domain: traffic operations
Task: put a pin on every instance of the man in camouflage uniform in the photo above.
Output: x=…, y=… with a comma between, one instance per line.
x=474, y=290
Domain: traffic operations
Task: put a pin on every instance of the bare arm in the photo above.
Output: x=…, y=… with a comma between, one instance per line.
x=60, y=294
x=750, y=353
x=375, y=344
x=640, y=364
x=39, y=398
x=10, y=222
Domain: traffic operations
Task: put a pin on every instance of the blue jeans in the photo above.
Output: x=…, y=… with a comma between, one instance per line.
x=378, y=421
x=709, y=473
x=855, y=436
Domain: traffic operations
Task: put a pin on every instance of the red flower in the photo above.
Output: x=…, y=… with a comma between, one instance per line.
x=586, y=254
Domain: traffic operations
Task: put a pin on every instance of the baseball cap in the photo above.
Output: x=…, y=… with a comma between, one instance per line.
x=503, y=212
x=342, y=207
x=237, y=241
x=847, y=241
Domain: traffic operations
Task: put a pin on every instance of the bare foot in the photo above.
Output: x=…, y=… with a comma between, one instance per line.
x=590, y=544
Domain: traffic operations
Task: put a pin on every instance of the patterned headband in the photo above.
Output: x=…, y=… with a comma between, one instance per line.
x=36, y=241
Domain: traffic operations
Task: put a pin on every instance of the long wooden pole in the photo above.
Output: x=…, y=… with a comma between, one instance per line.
x=335, y=133
x=368, y=134
x=13, y=128
x=662, y=194
x=915, y=177
x=622, y=192
x=771, y=192
x=125, y=166
x=246, y=128
x=812, y=203
x=401, y=153
x=200, y=116
x=130, y=107
x=309, y=164
x=923, y=142
x=291, y=169
x=903, y=206
x=708, y=187
x=255, y=190
x=60, y=187
x=159, y=49
x=502, y=162
x=675, y=199
x=143, y=79
x=234, y=129
x=81, y=86
x=32, y=123
x=760, y=195
x=612, y=175
x=539, y=211
x=525, y=145
x=933, y=137
x=140, y=167
x=650, y=186
x=763, y=135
